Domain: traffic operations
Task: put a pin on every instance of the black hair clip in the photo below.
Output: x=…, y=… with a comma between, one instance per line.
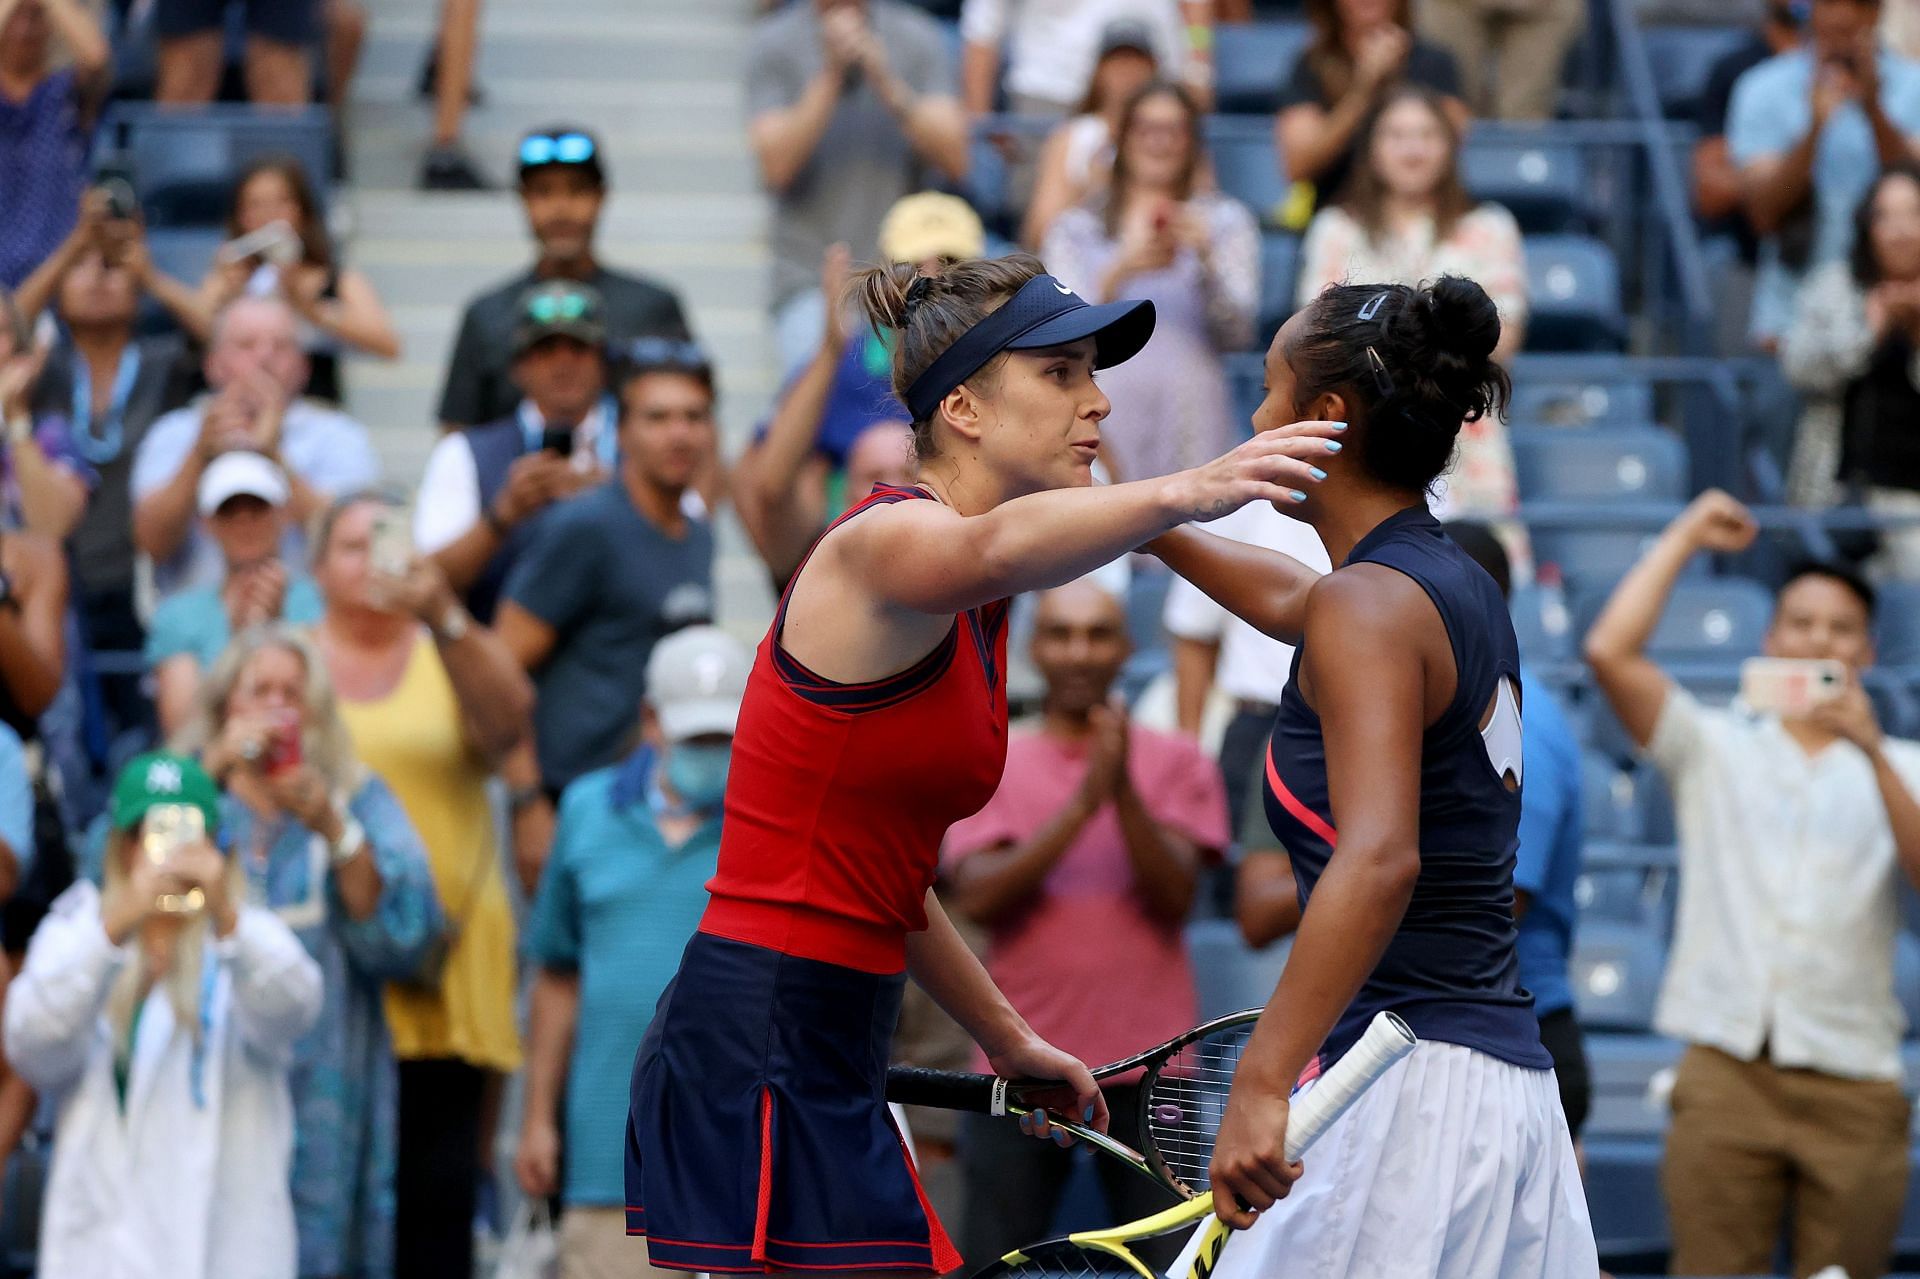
x=916, y=294
x=1382, y=380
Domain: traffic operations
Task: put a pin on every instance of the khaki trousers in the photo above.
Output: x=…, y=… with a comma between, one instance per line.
x=1526, y=42
x=1752, y=1143
x=594, y=1244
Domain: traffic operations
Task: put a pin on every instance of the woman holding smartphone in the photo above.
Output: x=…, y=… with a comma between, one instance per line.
x=432, y=701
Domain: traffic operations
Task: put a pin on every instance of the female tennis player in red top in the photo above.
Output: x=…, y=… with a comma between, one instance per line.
x=875, y=717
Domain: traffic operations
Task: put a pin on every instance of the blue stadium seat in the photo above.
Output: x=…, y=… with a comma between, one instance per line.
x=1246, y=387
x=1599, y=464
x=1542, y=183
x=1593, y=556
x=1610, y=809
x=1683, y=58
x=1629, y=1073
x=1246, y=165
x=1573, y=291
x=1228, y=974
x=1590, y=402
x=1251, y=60
x=1626, y=884
x=986, y=187
x=1542, y=624
x=1906, y=977
x=1720, y=619
x=1894, y=703
x=186, y=254
x=1279, y=271
x=1897, y=624
x=184, y=160
x=1616, y=969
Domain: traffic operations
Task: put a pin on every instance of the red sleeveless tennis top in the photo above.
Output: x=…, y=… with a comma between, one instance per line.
x=839, y=795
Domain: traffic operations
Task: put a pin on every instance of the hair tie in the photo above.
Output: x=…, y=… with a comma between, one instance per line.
x=916, y=294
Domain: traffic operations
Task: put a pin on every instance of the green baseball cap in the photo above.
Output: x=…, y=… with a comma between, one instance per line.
x=161, y=778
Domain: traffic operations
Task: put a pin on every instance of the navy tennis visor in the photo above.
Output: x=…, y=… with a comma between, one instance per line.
x=1044, y=312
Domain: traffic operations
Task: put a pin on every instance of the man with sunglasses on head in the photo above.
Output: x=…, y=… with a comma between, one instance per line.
x=563, y=188
x=486, y=488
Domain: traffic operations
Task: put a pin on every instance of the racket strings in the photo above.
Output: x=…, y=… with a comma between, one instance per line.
x=1186, y=1099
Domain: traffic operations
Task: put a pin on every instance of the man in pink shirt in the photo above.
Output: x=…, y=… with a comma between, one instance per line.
x=1082, y=867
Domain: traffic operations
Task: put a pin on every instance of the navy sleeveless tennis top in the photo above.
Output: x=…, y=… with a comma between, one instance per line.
x=1450, y=970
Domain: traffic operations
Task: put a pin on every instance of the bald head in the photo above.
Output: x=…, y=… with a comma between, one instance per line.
x=1080, y=643
x=257, y=333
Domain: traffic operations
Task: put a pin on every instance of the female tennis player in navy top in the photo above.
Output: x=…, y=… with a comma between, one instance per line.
x=875, y=716
x=1393, y=780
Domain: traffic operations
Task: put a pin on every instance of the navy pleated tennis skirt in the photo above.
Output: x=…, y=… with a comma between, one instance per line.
x=758, y=1135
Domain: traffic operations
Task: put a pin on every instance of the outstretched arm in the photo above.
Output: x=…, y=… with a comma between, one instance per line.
x=1265, y=589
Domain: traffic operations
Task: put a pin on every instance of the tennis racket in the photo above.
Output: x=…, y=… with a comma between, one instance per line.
x=1098, y=1254
x=1183, y=1093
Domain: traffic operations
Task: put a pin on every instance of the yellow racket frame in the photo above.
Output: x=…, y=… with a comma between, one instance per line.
x=1113, y=1240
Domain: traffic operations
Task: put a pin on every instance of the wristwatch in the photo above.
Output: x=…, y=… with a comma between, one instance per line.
x=453, y=624
x=353, y=837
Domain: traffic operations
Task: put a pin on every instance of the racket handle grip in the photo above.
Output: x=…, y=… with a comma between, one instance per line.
x=1386, y=1041
x=947, y=1090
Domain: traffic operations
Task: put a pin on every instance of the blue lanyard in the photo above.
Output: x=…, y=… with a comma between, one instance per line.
x=104, y=447
x=607, y=446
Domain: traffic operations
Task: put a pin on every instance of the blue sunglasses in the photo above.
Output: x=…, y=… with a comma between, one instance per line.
x=552, y=148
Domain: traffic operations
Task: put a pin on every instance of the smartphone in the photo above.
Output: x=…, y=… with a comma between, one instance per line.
x=275, y=243
x=122, y=203
x=557, y=439
x=164, y=831
x=392, y=548
x=283, y=748
x=1790, y=687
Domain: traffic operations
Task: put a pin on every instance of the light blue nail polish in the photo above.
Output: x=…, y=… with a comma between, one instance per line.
x=1089, y=1115
x=1339, y=426
x=1316, y=472
x=1333, y=446
x=1061, y=1138
x=1298, y=496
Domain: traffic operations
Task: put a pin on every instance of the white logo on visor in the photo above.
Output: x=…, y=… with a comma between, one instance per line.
x=1063, y=288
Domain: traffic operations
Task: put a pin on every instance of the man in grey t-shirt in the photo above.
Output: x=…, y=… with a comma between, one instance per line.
x=853, y=101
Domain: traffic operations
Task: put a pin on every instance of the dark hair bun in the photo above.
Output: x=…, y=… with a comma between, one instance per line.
x=1446, y=335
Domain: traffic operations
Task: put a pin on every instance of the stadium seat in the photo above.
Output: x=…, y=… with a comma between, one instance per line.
x=1897, y=624
x=1246, y=165
x=1573, y=291
x=1251, y=60
x=1542, y=183
x=1720, y=619
x=1906, y=977
x=1683, y=58
x=1609, y=808
x=1279, y=272
x=1246, y=387
x=1632, y=1076
x=1629, y=1075
x=186, y=254
x=1616, y=969
x=1542, y=624
x=986, y=187
x=1598, y=464
x=184, y=160
x=1894, y=703
x=1228, y=974
x=1589, y=402
x=1594, y=556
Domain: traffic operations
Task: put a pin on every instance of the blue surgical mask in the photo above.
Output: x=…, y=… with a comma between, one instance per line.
x=698, y=775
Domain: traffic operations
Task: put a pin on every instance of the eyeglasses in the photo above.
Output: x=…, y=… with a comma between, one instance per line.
x=668, y=353
x=553, y=308
x=556, y=148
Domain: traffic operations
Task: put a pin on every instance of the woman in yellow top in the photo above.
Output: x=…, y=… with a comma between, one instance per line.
x=432, y=701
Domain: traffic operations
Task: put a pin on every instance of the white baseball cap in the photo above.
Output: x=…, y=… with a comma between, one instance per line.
x=695, y=680
x=241, y=474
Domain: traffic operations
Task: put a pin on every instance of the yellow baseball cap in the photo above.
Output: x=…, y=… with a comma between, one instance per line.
x=929, y=224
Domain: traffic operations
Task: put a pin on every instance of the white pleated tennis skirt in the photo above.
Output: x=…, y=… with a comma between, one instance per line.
x=1453, y=1165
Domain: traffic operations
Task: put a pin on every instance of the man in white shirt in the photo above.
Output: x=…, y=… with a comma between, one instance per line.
x=1050, y=48
x=485, y=487
x=257, y=371
x=1213, y=648
x=1792, y=832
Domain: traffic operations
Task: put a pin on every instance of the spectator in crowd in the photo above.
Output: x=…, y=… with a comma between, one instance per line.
x=43, y=480
x=1083, y=867
x=1214, y=649
x=168, y=1034
x=1793, y=831
x=1809, y=129
x=337, y=306
x=1512, y=57
x=431, y=701
x=1547, y=861
x=1360, y=49
x=1050, y=48
x=447, y=166
x=623, y=892
x=243, y=504
x=257, y=371
x=1078, y=155
x=1718, y=195
x=1406, y=217
x=1854, y=353
x=853, y=106
x=486, y=488
x=110, y=384
x=46, y=119
x=33, y=642
x=193, y=49
x=329, y=850
x=563, y=188
x=1155, y=234
x=608, y=575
